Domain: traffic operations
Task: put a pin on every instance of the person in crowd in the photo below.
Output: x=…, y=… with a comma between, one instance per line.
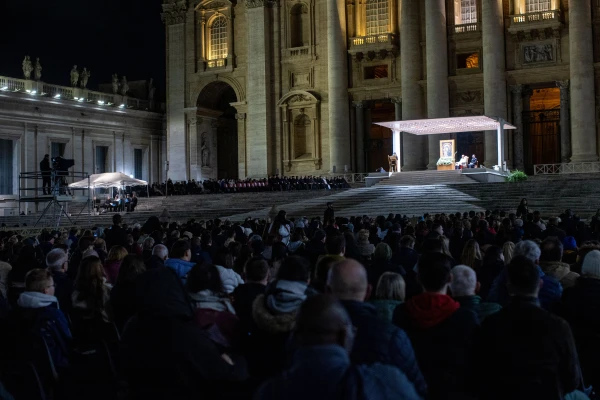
x=581, y=308
x=508, y=250
x=329, y=214
x=186, y=364
x=322, y=369
x=297, y=243
x=553, y=230
x=147, y=247
x=464, y=288
x=256, y=276
x=389, y=293
x=484, y=235
x=133, y=202
x=37, y=314
x=274, y=314
x=57, y=263
x=316, y=247
x=83, y=245
x=224, y=264
x=122, y=295
x=471, y=255
x=5, y=269
x=160, y=254
x=46, y=242
x=321, y=272
x=524, y=351
x=381, y=263
x=377, y=340
x=116, y=235
x=100, y=248
x=473, y=162
x=113, y=263
x=523, y=209
x=433, y=321
x=406, y=256
x=91, y=291
x=550, y=292
x=552, y=265
x=179, y=261
x=336, y=244
x=365, y=248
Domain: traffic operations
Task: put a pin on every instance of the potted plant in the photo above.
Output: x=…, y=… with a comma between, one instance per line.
x=445, y=164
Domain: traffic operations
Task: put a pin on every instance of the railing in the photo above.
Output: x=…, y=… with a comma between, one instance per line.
x=298, y=51
x=12, y=84
x=384, y=38
x=550, y=15
x=464, y=28
x=101, y=97
x=350, y=177
x=567, y=168
x=221, y=62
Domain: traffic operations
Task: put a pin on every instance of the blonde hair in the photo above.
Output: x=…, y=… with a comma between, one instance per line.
x=100, y=243
x=471, y=253
x=391, y=286
x=116, y=253
x=363, y=236
x=508, y=250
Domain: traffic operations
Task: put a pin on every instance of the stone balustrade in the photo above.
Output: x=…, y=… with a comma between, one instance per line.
x=465, y=28
x=540, y=16
x=362, y=42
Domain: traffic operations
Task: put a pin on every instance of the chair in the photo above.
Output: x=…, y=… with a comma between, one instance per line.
x=393, y=162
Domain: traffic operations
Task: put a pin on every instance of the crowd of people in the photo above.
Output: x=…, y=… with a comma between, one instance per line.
x=480, y=305
x=273, y=183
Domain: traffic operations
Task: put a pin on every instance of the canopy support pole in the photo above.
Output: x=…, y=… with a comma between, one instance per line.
x=500, y=131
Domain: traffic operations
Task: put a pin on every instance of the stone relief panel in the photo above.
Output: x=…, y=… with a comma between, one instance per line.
x=538, y=53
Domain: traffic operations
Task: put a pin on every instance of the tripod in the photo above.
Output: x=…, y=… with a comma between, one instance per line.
x=58, y=210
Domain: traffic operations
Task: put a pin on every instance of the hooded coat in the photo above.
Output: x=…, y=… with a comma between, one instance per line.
x=164, y=355
x=561, y=272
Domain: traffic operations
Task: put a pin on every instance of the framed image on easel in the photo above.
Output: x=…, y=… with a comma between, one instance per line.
x=447, y=154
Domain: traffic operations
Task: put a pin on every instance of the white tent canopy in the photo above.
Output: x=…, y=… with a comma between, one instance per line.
x=108, y=180
x=449, y=125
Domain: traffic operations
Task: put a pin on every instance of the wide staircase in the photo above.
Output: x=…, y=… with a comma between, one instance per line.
x=420, y=178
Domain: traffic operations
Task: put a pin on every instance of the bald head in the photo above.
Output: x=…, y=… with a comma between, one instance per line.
x=347, y=280
x=322, y=320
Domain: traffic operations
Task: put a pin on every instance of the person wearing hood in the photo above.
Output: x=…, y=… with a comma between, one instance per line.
x=164, y=354
x=296, y=244
x=440, y=330
x=377, y=340
x=273, y=315
x=550, y=262
x=37, y=313
x=181, y=254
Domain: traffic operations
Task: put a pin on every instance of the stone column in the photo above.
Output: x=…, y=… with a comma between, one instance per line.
x=259, y=127
x=438, y=105
x=583, y=101
x=174, y=18
x=494, y=66
x=411, y=66
x=241, y=121
x=337, y=74
x=360, y=135
x=517, y=120
x=565, y=121
x=397, y=101
x=193, y=147
x=367, y=140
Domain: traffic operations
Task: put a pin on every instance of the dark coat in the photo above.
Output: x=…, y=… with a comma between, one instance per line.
x=63, y=289
x=116, y=236
x=379, y=341
x=314, y=249
x=581, y=308
x=155, y=262
x=122, y=301
x=379, y=268
x=405, y=257
x=164, y=355
x=243, y=300
x=444, y=351
x=525, y=352
x=552, y=230
x=486, y=276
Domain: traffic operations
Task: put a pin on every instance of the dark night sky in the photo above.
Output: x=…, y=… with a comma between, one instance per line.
x=106, y=36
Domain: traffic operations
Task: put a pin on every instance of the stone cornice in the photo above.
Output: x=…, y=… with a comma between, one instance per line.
x=174, y=12
x=259, y=3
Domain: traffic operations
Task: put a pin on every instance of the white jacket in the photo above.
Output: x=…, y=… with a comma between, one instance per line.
x=230, y=279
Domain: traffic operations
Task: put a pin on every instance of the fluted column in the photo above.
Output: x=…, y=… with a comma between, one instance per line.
x=437, y=70
x=494, y=67
x=583, y=102
x=517, y=120
x=360, y=135
x=337, y=71
x=414, y=154
x=565, y=121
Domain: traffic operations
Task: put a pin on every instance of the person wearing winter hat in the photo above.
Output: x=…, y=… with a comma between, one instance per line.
x=591, y=265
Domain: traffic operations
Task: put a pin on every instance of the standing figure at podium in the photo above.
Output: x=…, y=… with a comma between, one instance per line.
x=393, y=160
x=473, y=163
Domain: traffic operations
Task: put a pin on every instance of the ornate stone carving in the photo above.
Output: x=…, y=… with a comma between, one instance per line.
x=240, y=116
x=260, y=3
x=215, y=5
x=37, y=70
x=204, y=151
x=536, y=53
x=535, y=34
x=298, y=98
x=74, y=76
x=27, y=67
x=85, y=76
x=470, y=96
x=174, y=12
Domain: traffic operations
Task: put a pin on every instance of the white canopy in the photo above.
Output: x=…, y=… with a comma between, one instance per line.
x=110, y=179
x=436, y=126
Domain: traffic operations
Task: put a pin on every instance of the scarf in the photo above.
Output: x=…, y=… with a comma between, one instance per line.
x=284, y=297
x=430, y=309
x=207, y=299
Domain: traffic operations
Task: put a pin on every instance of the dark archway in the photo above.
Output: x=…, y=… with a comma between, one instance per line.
x=217, y=96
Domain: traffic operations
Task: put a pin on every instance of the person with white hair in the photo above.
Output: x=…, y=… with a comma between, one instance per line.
x=464, y=288
x=160, y=254
x=57, y=262
x=551, y=290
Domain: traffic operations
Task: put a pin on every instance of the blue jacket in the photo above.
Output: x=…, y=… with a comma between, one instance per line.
x=324, y=373
x=380, y=341
x=549, y=295
x=181, y=267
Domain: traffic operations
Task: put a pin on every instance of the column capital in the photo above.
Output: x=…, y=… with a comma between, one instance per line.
x=174, y=12
x=359, y=104
x=259, y=3
x=195, y=120
x=563, y=84
x=516, y=89
x=396, y=100
x=240, y=116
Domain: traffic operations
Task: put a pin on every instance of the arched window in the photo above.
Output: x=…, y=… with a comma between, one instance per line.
x=302, y=137
x=218, y=38
x=537, y=5
x=299, y=26
x=378, y=17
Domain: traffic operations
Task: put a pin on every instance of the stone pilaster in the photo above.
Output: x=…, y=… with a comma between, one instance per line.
x=174, y=18
x=411, y=65
x=583, y=101
x=438, y=105
x=337, y=74
x=494, y=68
x=565, y=121
x=517, y=120
x=195, y=172
x=360, y=135
x=241, y=121
x=259, y=127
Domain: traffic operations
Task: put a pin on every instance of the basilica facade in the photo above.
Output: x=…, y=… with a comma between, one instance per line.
x=260, y=87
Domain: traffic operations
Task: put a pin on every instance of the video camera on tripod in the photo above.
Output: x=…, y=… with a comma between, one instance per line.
x=60, y=166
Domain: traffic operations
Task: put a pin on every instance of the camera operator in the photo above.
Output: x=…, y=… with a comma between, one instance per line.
x=46, y=174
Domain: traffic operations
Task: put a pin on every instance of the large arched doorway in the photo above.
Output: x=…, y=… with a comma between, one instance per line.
x=217, y=131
